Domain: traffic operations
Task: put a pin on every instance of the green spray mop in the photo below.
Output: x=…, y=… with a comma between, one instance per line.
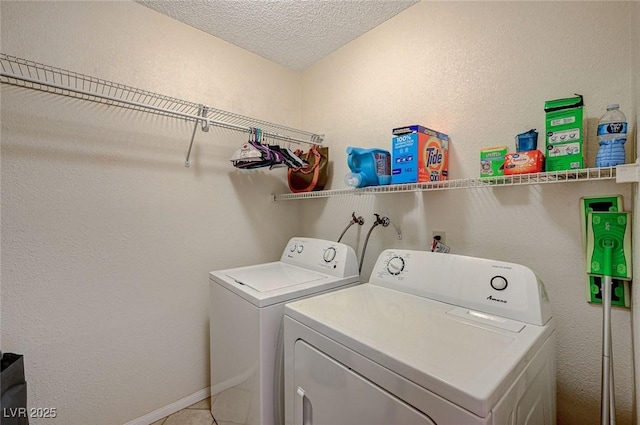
x=620, y=294
x=609, y=256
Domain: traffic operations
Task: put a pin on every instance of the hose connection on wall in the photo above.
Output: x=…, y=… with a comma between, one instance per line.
x=354, y=220
x=385, y=222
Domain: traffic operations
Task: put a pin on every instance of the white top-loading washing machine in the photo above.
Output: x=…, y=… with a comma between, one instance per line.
x=431, y=339
x=247, y=309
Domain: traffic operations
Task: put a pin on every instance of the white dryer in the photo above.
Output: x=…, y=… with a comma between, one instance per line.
x=431, y=339
x=247, y=309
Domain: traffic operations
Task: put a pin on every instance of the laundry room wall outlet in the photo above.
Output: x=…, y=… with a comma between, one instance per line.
x=439, y=235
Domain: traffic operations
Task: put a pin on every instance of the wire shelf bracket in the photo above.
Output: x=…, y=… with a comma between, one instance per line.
x=33, y=75
x=205, y=127
x=628, y=173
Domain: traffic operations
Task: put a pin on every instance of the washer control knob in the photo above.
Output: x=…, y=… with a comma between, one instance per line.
x=329, y=254
x=395, y=265
x=292, y=248
x=499, y=283
x=300, y=249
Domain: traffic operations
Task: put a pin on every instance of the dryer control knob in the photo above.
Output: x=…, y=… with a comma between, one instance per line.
x=395, y=265
x=499, y=283
x=329, y=254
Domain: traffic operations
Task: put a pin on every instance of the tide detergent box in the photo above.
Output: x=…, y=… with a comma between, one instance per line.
x=564, y=134
x=492, y=161
x=419, y=154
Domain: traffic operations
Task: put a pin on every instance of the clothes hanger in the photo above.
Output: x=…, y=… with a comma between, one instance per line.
x=279, y=160
x=293, y=160
x=257, y=153
x=247, y=153
x=268, y=158
x=294, y=157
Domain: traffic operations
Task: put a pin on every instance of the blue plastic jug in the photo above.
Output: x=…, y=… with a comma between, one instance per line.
x=369, y=167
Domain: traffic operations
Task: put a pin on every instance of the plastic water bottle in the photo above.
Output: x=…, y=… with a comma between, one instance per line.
x=612, y=134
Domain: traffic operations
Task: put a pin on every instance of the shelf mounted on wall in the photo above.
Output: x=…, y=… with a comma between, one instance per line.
x=33, y=75
x=567, y=176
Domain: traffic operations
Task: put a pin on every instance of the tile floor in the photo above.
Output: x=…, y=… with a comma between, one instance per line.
x=196, y=414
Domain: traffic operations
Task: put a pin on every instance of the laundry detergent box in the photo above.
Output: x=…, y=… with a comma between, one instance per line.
x=492, y=161
x=564, y=141
x=419, y=154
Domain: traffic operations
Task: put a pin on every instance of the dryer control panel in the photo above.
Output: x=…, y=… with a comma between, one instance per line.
x=333, y=258
x=495, y=287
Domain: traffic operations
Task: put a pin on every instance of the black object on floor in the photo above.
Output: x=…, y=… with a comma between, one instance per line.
x=13, y=398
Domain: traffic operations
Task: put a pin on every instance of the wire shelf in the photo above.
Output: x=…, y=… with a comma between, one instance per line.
x=25, y=73
x=566, y=176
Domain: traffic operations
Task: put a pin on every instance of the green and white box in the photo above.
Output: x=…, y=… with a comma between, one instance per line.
x=564, y=134
x=492, y=161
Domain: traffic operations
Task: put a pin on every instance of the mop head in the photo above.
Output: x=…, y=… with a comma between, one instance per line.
x=609, y=231
x=620, y=294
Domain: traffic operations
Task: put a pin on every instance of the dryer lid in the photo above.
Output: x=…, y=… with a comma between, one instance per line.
x=273, y=276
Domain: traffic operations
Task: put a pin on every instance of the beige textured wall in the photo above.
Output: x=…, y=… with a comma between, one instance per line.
x=480, y=72
x=107, y=239
x=635, y=51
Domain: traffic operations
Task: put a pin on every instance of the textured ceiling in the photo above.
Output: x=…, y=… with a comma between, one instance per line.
x=293, y=33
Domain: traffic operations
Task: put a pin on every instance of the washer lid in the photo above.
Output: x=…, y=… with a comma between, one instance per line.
x=466, y=359
x=276, y=282
x=273, y=276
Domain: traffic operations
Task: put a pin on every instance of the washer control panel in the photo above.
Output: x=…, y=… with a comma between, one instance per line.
x=494, y=287
x=294, y=247
x=329, y=257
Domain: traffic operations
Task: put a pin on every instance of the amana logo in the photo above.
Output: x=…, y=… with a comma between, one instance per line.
x=490, y=298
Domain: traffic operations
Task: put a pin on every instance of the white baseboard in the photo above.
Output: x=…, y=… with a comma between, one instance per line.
x=169, y=409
